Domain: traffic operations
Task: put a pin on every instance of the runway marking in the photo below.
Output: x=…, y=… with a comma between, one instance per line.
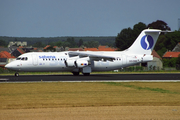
x=4, y=79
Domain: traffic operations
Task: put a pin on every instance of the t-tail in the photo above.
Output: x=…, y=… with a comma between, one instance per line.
x=145, y=42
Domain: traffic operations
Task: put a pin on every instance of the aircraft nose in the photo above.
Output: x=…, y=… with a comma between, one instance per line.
x=9, y=66
x=12, y=65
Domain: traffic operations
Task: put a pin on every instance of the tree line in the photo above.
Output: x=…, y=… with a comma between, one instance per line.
x=72, y=42
x=165, y=42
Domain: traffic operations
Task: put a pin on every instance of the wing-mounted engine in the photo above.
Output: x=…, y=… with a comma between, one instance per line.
x=81, y=63
x=78, y=63
x=70, y=62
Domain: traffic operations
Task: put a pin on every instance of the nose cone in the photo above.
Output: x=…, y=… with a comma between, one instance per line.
x=12, y=66
x=7, y=66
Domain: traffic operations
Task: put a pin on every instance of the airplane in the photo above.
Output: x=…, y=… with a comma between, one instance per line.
x=88, y=61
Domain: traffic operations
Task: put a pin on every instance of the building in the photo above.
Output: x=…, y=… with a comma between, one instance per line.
x=100, y=48
x=76, y=49
x=17, y=43
x=17, y=52
x=5, y=57
x=156, y=63
x=170, y=54
x=176, y=48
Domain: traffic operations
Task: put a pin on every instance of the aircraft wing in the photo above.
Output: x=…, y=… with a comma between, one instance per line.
x=92, y=55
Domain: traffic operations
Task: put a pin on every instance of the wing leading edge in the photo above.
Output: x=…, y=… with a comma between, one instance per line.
x=91, y=55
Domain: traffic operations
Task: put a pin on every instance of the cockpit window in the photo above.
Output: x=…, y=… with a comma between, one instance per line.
x=18, y=58
x=23, y=58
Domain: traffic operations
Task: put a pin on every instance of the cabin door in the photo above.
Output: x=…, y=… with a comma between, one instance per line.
x=34, y=60
x=124, y=59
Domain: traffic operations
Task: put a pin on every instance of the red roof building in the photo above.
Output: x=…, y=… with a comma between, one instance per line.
x=20, y=50
x=47, y=46
x=75, y=49
x=100, y=48
x=171, y=54
x=154, y=53
x=5, y=54
x=90, y=49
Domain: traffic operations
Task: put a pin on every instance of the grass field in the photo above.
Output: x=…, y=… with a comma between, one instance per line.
x=60, y=94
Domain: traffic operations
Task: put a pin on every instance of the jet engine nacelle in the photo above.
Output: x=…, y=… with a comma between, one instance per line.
x=81, y=63
x=70, y=63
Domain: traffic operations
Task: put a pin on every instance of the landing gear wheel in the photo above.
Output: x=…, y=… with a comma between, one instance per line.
x=16, y=74
x=86, y=74
x=75, y=73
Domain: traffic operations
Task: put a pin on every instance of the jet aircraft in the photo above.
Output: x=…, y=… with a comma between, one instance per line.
x=88, y=61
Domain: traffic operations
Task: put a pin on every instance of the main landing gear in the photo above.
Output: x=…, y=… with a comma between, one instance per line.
x=77, y=73
x=86, y=74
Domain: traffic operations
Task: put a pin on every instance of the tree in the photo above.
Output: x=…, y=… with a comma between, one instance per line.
x=127, y=36
x=38, y=44
x=159, y=24
x=167, y=42
x=178, y=60
x=124, y=39
x=80, y=43
x=3, y=43
x=138, y=28
x=71, y=42
x=59, y=43
x=51, y=49
x=66, y=44
x=91, y=44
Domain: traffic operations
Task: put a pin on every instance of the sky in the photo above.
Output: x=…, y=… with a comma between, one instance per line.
x=53, y=18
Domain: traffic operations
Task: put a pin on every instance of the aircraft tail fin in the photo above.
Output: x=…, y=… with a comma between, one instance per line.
x=145, y=42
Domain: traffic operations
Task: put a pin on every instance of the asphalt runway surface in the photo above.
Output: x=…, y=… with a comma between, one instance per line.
x=92, y=77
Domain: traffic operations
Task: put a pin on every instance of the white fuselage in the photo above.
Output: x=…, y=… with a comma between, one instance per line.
x=55, y=61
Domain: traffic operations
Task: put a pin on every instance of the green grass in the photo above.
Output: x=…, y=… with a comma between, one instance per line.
x=59, y=94
x=160, y=90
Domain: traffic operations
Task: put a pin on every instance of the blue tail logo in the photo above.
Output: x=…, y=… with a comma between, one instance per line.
x=147, y=42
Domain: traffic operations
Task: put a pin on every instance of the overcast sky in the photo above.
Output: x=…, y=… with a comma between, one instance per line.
x=52, y=18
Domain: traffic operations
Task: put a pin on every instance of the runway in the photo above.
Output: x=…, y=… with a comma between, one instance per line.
x=93, y=78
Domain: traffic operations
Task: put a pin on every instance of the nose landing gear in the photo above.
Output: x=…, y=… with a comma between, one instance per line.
x=16, y=74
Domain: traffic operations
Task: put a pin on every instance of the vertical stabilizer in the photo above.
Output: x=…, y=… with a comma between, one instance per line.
x=145, y=42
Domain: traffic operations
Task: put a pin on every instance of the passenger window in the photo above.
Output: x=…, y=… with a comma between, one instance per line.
x=22, y=58
x=26, y=58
